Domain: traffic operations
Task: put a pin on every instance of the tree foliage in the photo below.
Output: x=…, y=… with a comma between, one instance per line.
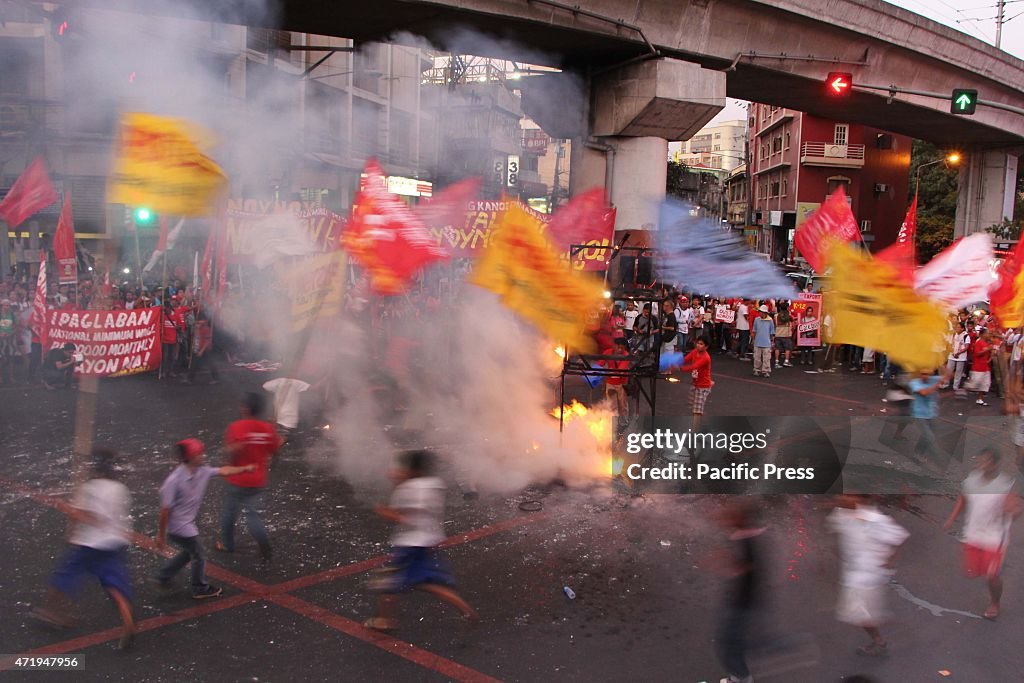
x=934, y=233
x=936, y=199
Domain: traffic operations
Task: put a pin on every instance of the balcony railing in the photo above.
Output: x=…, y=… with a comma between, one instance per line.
x=828, y=150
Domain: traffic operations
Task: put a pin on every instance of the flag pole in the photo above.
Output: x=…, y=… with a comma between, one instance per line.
x=138, y=258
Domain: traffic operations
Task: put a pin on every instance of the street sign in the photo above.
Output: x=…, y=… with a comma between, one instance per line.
x=839, y=83
x=963, y=102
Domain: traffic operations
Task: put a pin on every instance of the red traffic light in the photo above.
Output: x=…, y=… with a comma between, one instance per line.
x=839, y=83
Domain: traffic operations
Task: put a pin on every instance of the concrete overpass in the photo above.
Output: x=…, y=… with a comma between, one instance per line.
x=661, y=68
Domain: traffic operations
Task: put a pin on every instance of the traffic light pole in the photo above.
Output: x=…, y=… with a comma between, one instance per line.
x=896, y=90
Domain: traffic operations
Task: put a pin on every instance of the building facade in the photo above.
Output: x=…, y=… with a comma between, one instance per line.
x=719, y=146
x=798, y=160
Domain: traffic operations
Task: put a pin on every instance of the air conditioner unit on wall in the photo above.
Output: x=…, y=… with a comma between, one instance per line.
x=838, y=151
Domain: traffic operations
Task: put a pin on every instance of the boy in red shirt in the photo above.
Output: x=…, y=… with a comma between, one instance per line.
x=615, y=387
x=698, y=362
x=981, y=375
x=249, y=441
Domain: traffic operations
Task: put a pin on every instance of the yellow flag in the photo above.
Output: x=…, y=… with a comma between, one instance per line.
x=871, y=308
x=524, y=270
x=159, y=164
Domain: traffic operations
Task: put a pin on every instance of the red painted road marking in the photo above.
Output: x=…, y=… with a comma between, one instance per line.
x=424, y=658
x=374, y=562
x=91, y=639
x=793, y=389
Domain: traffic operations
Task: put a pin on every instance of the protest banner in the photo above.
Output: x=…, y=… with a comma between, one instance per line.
x=114, y=343
x=724, y=314
x=473, y=236
x=246, y=221
x=807, y=311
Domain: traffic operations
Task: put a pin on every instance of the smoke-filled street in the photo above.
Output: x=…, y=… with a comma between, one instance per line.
x=647, y=601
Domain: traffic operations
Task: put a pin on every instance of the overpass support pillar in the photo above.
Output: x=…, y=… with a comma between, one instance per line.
x=988, y=184
x=634, y=111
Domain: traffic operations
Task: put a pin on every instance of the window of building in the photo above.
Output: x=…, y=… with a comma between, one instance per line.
x=785, y=186
x=776, y=144
x=718, y=136
x=786, y=146
x=835, y=182
x=529, y=162
x=267, y=40
x=865, y=226
x=842, y=134
x=775, y=189
x=716, y=148
x=367, y=67
x=365, y=126
x=401, y=134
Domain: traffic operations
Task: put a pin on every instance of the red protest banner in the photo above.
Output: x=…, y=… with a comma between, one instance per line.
x=114, y=343
x=586, y=220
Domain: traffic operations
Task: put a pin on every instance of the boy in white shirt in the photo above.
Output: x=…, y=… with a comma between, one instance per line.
x=991, y=506
x=416, y=507
x=99, y=546
x=868, y=542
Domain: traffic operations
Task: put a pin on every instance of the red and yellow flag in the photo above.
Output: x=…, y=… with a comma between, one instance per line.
x=1007, y=296
x=524, y=269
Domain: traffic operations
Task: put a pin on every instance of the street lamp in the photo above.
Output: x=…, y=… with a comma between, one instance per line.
x=951, y=158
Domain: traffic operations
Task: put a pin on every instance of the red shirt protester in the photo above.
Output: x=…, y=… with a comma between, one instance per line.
x=615, y=365
x=254, y=441
x=699, y=363
x=169, y=334
x=982, y=354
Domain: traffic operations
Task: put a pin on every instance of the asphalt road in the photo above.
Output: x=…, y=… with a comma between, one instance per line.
x=646, y=608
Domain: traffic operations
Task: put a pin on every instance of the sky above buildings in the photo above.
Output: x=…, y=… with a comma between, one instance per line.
x=974, y=17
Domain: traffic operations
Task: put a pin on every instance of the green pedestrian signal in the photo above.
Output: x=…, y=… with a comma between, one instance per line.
x=144, y=217
x=963, y=102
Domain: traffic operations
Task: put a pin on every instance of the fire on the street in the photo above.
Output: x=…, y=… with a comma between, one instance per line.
x=598, y=422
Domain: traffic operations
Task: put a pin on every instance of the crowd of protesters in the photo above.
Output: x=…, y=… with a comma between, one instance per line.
x=983, y=358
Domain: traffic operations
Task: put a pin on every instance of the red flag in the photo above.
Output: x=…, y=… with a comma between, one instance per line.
x=64, y=245
x=833, y=221
x=586, y=217
x=38, y=323
x=31, y=192
x=222, y=259
x=900, y=254
x=207, y=261
x=1007, y=294
x=386, y=237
